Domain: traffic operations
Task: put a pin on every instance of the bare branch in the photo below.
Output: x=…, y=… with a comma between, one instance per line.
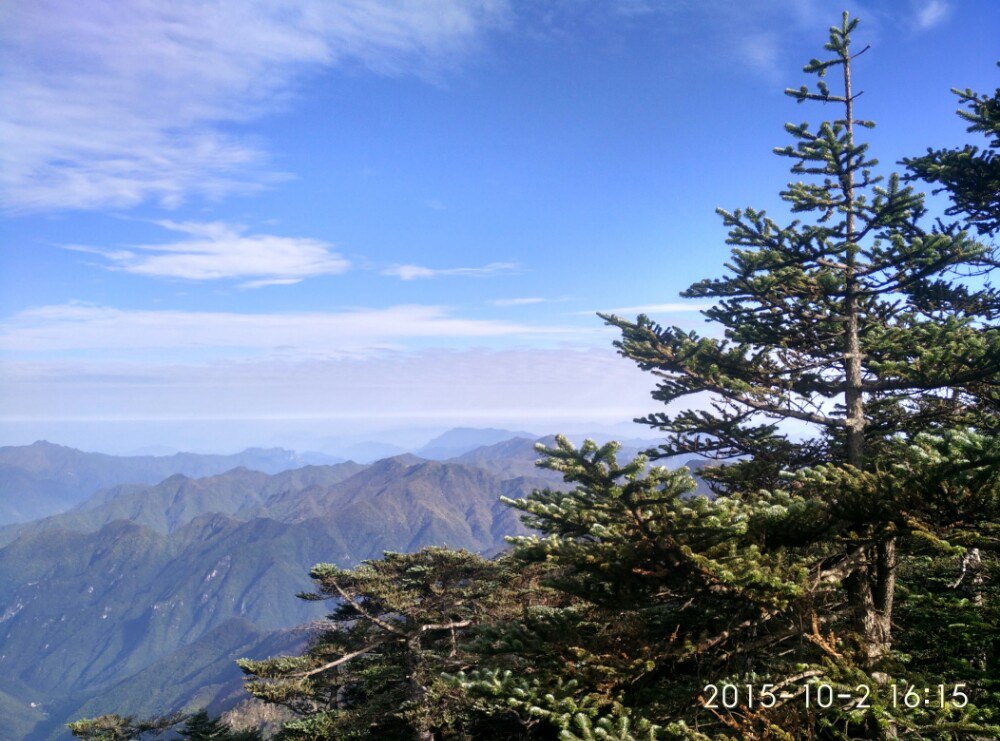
x=342, y=660
x=367, y=615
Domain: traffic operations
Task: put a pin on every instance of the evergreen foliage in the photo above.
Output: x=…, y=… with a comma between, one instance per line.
x=120, y=728
x=202, y=727
x=402, y=622
x=670, y=593
x=199, y=726
x=859, y=323
x=970, y=176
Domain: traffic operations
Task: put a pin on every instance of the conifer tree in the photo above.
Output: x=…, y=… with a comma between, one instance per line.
x=660, y=596
x=659, y=593
x=400, y=624
x=200, y=726
x=857, y=321
x=114, y=727
x=953, y=609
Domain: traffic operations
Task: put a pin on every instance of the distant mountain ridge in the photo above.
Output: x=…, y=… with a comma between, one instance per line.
x=170, y=504
x=88, y=604
x=42, y=479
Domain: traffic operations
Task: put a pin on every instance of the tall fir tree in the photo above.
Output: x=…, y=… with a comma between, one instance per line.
x=860, y=323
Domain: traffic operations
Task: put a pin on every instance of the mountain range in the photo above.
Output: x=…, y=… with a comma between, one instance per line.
x=138, y=598
x=42, y=479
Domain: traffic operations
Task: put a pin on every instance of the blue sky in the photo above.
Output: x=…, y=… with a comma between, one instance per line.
x=296, y=221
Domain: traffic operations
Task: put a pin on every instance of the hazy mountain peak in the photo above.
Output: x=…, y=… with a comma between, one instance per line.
x=178, y=479
x=459, y=440
x=404, y=460
x=44, y=444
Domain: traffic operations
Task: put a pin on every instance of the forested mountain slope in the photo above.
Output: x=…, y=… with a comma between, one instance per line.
x=141, y=580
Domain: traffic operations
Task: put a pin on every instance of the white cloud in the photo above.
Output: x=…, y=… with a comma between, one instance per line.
x=411, y=272
x=109, y=104
x=97, y=330
x=761, y=50
x=271, y=282
x=518, y=301
x=930, y=14
x=216, y=250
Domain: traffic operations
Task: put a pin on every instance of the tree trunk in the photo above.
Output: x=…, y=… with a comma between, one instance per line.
x=416, y=690
x=870, y=592
x=853, y=394
x=870, y=589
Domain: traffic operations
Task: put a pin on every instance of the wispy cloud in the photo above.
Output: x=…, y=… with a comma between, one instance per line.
x=931, y=13
x=412, y=272
x=761, y=50
x=518, y=301
x=753, y=34
x=216, y=250
x=77, y=328
x=650, y=309
x=110, y=105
